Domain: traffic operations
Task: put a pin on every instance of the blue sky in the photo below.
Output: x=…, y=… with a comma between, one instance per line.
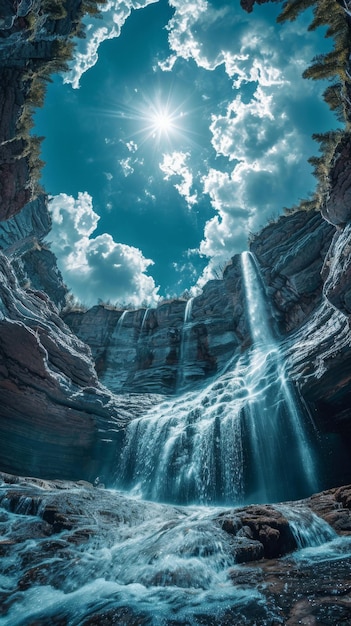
x=181, y=127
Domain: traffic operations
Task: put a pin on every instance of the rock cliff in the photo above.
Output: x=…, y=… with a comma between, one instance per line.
x=58, y=407
x=157, y=350
x=56, y=419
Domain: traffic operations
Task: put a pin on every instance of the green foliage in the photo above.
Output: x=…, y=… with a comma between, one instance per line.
x=331, y=14
x=292, y=9
x=334, y=97
x=332, y=66
x=55, y=8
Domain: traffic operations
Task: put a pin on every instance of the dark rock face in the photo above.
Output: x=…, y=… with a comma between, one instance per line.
x=154, y=350
x=291, y=254
x=337, y=208
x=337, y=271
x=23, y=231
x=39, y=268
x=52, y=404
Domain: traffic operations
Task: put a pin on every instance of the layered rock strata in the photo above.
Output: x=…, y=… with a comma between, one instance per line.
x=49, y=386
x=56, y=420
x=161, y=350
x=158, y=350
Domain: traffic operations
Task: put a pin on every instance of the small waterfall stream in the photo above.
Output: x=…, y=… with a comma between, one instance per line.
x=242, y=438
x=184, y=345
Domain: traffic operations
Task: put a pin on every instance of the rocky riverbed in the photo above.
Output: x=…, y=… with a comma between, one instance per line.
x=74, y=553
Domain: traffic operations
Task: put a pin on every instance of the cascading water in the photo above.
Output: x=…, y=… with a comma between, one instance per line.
x=279, y=458
x=184, y=345
x=240, y=439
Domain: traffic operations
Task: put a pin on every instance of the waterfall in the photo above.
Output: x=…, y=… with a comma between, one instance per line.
x=184, y=345
x=279, y=458
x=308, y=529
x=144, y=320
x=242, y=438
x=120, y=324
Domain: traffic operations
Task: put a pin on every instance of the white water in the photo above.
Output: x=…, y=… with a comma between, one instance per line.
x=163, y=562
x=184, y=345
x=240, y=439
x=309, y=530
x=144, y=320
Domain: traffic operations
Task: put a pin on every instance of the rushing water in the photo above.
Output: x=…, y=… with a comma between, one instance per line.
x=184, y=346
x=147, y=564
x=245, y=437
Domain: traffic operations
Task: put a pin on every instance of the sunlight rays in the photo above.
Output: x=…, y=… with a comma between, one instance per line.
x=158, y=119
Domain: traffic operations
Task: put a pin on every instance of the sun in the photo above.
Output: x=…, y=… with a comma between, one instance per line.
x=158, y=119
x=163, y=121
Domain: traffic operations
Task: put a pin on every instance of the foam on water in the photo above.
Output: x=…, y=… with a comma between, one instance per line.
x=308, y=529
x=165, y=568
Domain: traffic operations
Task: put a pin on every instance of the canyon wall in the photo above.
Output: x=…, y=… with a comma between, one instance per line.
x=60, y=369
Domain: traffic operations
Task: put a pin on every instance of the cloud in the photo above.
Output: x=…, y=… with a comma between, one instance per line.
x=126, y=165
x=174, y=165
x=260, y=129
x=113, y=16
x=97, y=267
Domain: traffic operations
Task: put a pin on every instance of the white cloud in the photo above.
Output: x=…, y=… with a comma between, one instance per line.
x=174, y=165
x=228, y=229
x=97, y=267
x=126, y=165
x=132, y=146
x=258, y=130
x=113, y=16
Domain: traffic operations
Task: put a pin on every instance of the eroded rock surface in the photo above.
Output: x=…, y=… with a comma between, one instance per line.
x=337, y=207
x=55, y=417
x=291, y=254
x=156, y=350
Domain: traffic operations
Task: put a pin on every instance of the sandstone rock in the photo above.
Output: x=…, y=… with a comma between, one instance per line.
x=38, y=267
x=268, y=527
x=21, y=232
x=337, y=271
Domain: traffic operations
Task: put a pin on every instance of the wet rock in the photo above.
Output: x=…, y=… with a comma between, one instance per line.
x=82, y=558
x=246, y=550
x=267, y=532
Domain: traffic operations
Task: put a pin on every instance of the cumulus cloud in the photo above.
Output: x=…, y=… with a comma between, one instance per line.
x=174, y=165
x=113, y=16
x=97, y=267
x=258, y=130
x=256, y=163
